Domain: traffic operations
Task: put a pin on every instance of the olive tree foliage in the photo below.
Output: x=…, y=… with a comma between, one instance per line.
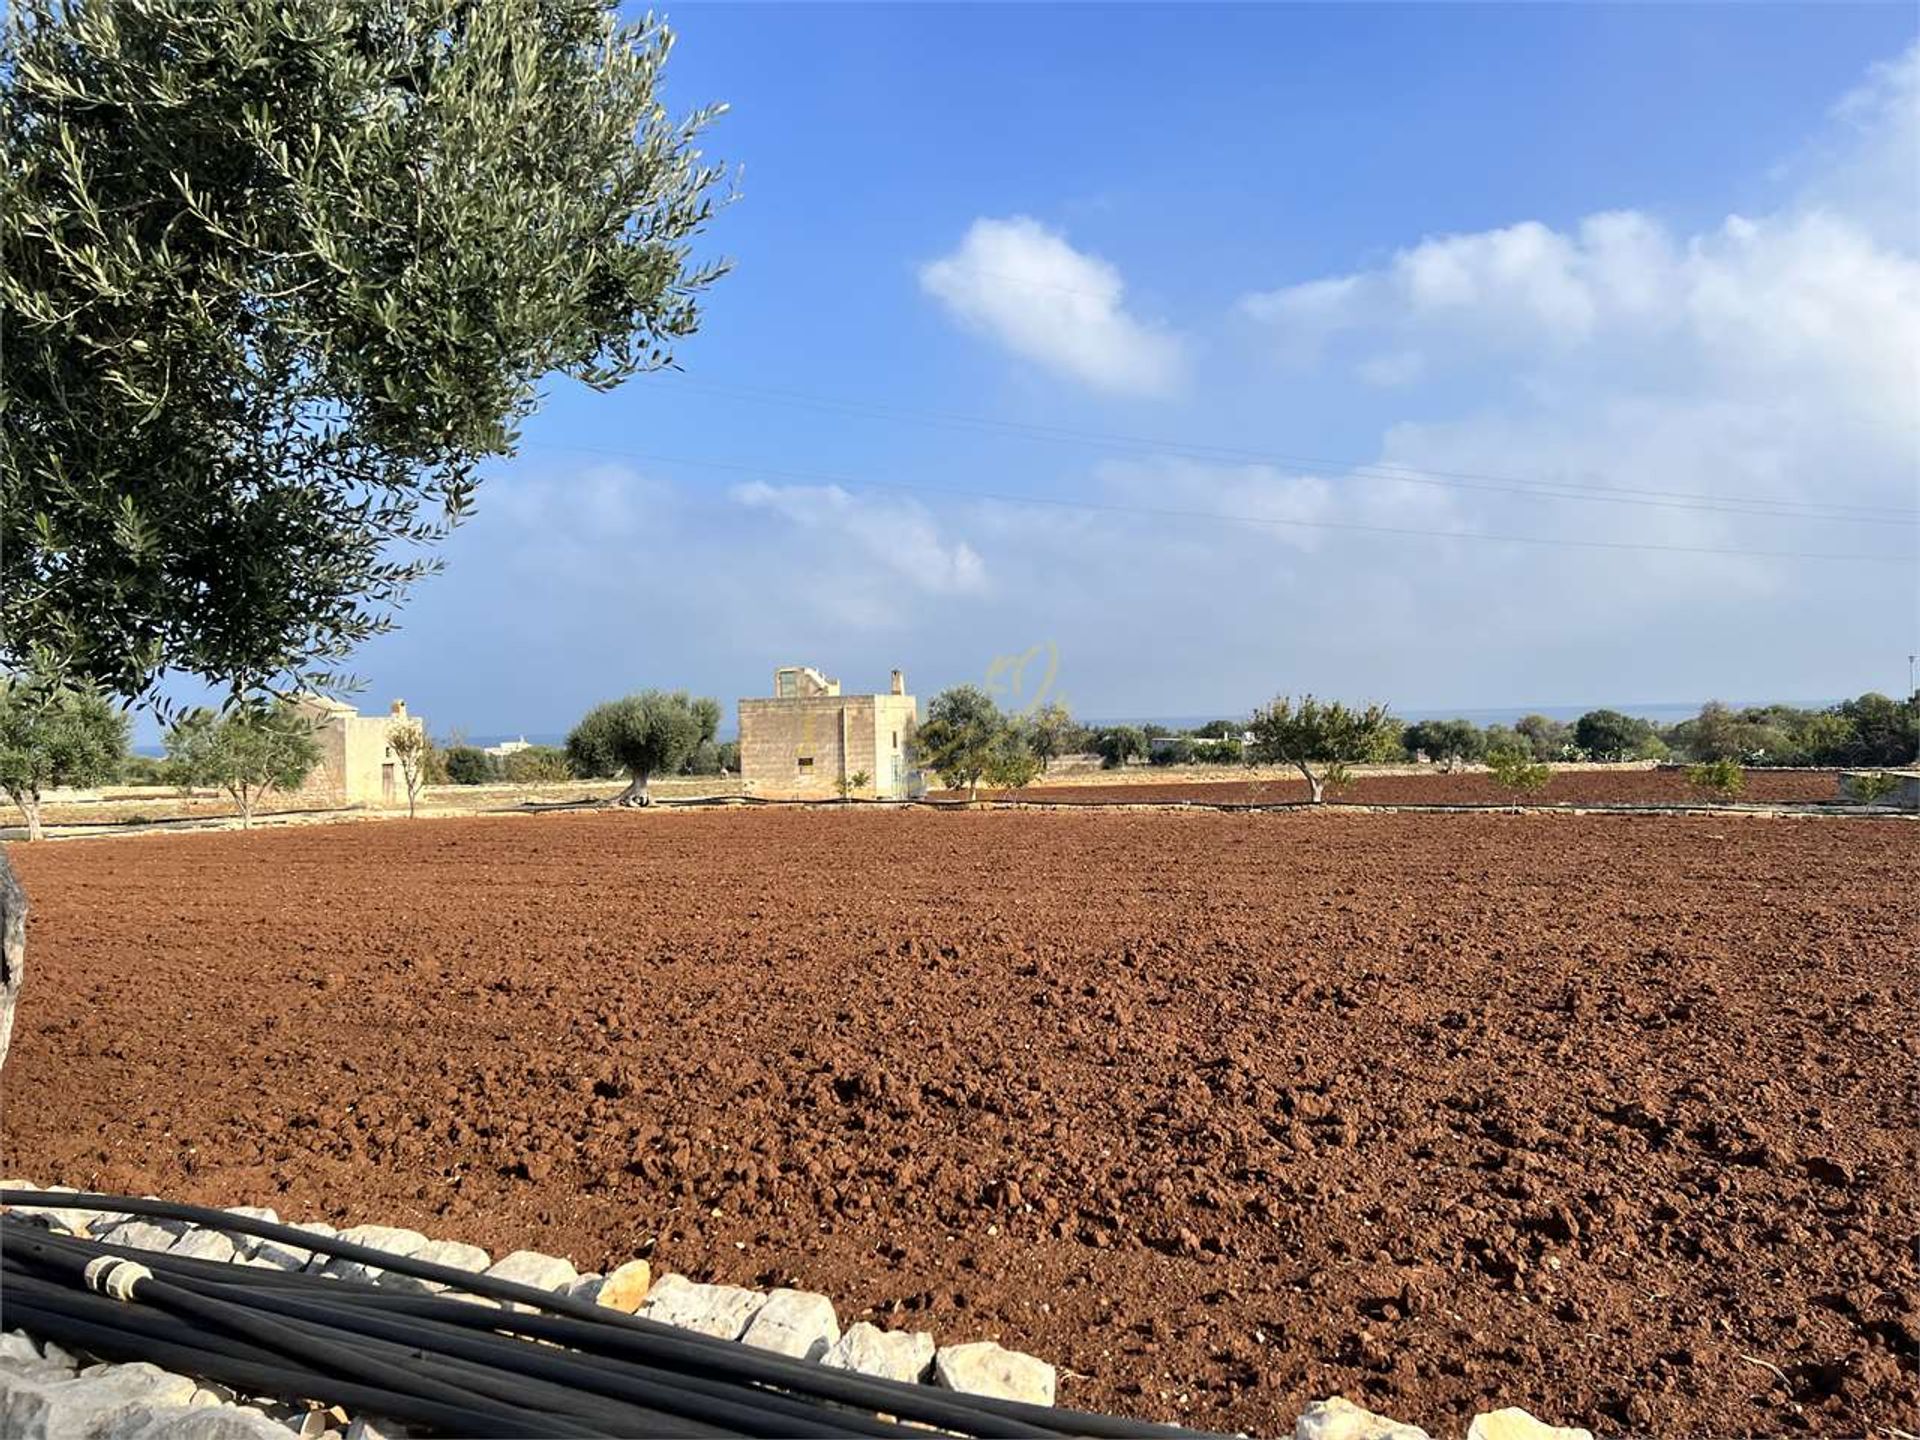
x=249, y=752
x=957, y=739
x=60, y=738
x=1012, y=762
x=1320, y=738
x=647, y=734
x=1051, y=731
x=279, y=275
x=276, y=278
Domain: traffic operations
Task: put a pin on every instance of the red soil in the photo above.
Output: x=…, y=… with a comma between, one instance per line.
x=1221, y=1113
x=1567, y=787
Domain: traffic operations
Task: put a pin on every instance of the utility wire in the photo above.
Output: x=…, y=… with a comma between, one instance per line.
x=1758, y=506
x=1166, y=513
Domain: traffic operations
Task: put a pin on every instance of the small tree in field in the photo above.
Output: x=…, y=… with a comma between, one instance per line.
x=1515, y=769
x=1872, y=787
x=651, y=733
x=408, y=742
x=1050, y=729
x=1721, y=778
x=249, y=753
x=851, y=785
x=957, y=738
x=69, y=737
x=1320, y=739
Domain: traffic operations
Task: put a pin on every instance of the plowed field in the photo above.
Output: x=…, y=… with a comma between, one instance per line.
x=1222, y=1113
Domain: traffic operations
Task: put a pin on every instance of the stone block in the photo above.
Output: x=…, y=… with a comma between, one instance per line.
x=451, y=1253
x=87, y=1405
x=245, y=1245
x=985, y=1368
x=793, y=1322
x=139, y=1235
x=194, y=1422
x=278, y=1256
x=1339, y=1418
x=1513, y=1423
x=723, y=1311
x=391, y=1238
x=624, y=1287
x=530, y=1267
x=887, y=1354
x=203, y=1245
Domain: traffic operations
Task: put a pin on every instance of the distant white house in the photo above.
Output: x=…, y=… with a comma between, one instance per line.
x=506, y=748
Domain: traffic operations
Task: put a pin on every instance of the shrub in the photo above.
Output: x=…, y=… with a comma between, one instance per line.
x=537, y=765
x=1217, y=752
x=467, y=765
x=1609, y=735
x=1723, y=778
x=851, y=785
x=1513, y=768
x=1873, y=787
x=1173, y=750
x=1118, y=744
x=1446, y=741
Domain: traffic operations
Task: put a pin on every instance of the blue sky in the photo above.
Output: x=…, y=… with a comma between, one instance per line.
x=1663, y=259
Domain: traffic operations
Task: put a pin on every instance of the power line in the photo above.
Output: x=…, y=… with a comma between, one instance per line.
x=1165, y=513
x=1593, y=492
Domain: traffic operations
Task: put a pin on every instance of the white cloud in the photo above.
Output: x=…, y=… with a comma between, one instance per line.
x=1023, y=284
x=861, y=551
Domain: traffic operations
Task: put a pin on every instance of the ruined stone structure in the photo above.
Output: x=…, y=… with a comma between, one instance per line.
x=807, y=738
x=357, y=766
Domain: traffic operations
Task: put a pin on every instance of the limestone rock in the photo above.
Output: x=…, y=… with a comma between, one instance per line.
x=888, y=1354
x=530, y=1267
x=451, y=1253
x=203, y=1245
x=984, y=1368
x=72, y=1219
x=194, y=1422
x=723, y=1311
x=85, y=1405
x=139, y=1235
x=1340, y=1419
x=625, y=1287
x=1513, y=1423
x=244, y=1246
x=274, y=1254
x=793, y=1322
x=377, y=1428
x=19, y=1356
x=390, y=1238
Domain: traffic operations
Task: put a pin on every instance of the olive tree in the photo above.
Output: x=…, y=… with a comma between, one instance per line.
x=1050, y=730
x=279, y=277
x=1320, y=738
x=956, y=740
x=643, y=735
x=1513, y=767
x=65, y=737
x=249, y=752
x=1012, y=762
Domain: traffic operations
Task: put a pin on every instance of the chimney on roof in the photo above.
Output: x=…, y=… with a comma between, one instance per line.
x=399, y=710
x=899, y=686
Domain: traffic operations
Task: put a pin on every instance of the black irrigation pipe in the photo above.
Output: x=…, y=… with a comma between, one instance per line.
x=458, y=1331
x=618, y=1373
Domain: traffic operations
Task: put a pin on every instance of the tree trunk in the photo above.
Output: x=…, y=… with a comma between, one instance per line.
x=35, y=829
x=635, y=795
x=1316, y=784
x=13, y=948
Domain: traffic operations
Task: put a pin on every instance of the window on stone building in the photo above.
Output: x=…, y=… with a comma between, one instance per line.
x=806, y=762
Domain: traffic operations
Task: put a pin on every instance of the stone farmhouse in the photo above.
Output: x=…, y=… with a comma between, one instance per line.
x=806, y=739
x=357, y=765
